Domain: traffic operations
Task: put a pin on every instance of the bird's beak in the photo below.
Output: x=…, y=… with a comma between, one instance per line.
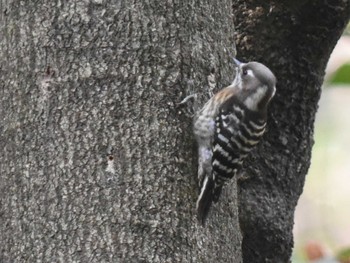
x=237, y=62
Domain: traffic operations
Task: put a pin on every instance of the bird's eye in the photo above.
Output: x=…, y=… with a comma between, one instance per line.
x=244, y=72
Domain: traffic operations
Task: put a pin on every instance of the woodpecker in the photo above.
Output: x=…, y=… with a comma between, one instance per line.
x=227, y=128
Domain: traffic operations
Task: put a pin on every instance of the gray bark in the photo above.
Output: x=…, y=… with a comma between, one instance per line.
x=96, y=162
x=295, y=39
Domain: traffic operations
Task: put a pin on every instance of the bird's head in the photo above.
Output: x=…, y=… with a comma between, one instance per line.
x=256, y=84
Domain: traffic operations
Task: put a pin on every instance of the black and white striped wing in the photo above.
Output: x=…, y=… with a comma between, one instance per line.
x=226, y=148
x=237, y=132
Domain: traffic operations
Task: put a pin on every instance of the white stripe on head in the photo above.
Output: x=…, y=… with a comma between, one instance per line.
x=273, y=93
x=252, y=101
x=250, y=73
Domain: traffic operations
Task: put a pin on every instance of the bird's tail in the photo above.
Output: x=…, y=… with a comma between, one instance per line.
x=209, y=193
x=205, y=199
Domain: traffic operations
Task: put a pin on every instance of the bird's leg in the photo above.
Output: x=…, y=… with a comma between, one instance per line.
x=187, y=98
x=188, y=105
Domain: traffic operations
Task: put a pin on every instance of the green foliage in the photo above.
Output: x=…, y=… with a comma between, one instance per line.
x=342, y=75
x=347, y=30
x=344, y=255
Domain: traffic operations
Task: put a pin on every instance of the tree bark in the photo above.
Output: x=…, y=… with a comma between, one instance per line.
x=294, y=39
x=96, y=161
x=97, y=164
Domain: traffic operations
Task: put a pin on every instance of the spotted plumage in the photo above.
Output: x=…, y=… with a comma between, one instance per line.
x=229, y=125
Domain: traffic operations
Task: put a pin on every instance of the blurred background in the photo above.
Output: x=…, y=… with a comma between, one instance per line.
x=322, y=217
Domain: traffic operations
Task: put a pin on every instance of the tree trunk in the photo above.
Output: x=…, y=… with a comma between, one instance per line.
x=295, y=39
x=97, y=162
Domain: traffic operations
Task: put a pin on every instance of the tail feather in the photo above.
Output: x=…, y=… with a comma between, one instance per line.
x=217, y=193
x=205, y=199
